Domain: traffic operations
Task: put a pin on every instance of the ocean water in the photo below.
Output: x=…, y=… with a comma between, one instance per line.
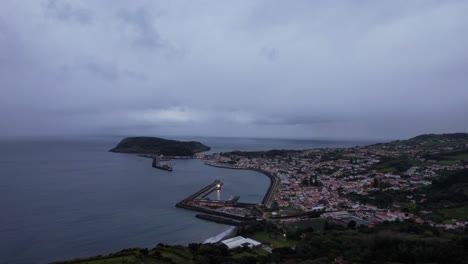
x=220, y=144
x=62, y=199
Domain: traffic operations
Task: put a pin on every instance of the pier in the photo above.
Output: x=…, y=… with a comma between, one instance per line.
x=226, y=211
x=216, y=185
x=157, y=165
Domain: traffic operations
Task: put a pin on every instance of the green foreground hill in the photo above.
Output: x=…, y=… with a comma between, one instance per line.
x=159, y=146
x=432, y=140
x=390, y=242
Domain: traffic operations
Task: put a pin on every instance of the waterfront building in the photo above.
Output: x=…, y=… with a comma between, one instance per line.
x=240, y=241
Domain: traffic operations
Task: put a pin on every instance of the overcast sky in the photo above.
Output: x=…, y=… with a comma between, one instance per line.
x=293, y=69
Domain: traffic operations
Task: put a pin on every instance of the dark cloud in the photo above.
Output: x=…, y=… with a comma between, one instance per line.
x=367, y=69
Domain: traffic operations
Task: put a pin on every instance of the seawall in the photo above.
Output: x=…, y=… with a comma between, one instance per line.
x=273, y=180
x=224, y=220
x=210, y=211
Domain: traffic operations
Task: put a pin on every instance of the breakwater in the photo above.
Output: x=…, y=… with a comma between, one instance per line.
x=204, y=191
x=274, y=181
x=227, y=212
x=156, y=165
x=165, y=158
x=224, y=220
x=187, y=206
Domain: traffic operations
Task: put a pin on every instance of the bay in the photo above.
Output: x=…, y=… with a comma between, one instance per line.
x=62, y=199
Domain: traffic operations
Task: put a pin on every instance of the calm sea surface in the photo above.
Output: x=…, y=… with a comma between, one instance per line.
x=61, y=199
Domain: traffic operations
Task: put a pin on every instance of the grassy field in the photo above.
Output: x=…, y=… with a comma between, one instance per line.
x=461, y=157
x=460, y=213
x=176, y=254
x=398, y=165
x=115, y=260
x=254, y=253
x=274, y=240
x=446, y=162
x=160, y=255
x=410, y=207
x=317, y=224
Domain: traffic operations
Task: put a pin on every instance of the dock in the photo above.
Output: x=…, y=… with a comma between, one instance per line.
x=223, y=209
x=267, y=200
x=205, y=191
x=157, y=165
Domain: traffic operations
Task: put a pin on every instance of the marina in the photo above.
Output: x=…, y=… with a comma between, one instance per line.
x=221, y=211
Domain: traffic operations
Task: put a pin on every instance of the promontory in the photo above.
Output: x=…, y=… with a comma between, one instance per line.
x=159, y=146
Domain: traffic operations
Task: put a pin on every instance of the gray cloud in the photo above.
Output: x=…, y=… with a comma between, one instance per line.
x=362, y=69
x=269, y=53
x=65, y=10
x=107, y=72
x=140, y=26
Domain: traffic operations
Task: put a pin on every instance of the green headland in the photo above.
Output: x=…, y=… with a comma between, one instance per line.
x=159, y=146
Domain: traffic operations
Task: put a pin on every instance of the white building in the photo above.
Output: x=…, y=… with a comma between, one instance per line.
x=240, y=241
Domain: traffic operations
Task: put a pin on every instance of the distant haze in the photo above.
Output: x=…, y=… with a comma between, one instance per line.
x=296, y=69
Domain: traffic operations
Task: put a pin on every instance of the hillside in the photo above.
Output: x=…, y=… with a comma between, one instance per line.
x=429, y=141
x=431, y=137
x=159, y=146
x=397, y=242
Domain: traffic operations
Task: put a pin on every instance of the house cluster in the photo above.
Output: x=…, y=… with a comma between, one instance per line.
x=320, y=179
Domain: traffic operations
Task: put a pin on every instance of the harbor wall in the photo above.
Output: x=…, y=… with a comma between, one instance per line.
x=273, y=180
x=209, y=211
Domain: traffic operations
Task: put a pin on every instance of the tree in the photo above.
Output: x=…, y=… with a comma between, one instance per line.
x=352, y=224
x=144, y=252
x=375, y=184
x=275, y=206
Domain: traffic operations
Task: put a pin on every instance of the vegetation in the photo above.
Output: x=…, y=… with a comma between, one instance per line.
x=395, y=242
x=460, y=212
x=449, y=157
x=449, y=190
x=274, y=239
x=159, y=146
x=446, y=197
x=399, y=165
x=249, y=256
x=428, y=141
x=438, y=137
x=379, y=198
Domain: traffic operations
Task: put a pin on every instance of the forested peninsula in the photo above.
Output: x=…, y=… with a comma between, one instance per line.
x=159, y=146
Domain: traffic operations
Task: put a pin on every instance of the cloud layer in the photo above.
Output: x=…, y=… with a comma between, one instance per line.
x=356, y=69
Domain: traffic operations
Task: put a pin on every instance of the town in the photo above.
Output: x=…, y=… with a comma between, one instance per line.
x=341, y=183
